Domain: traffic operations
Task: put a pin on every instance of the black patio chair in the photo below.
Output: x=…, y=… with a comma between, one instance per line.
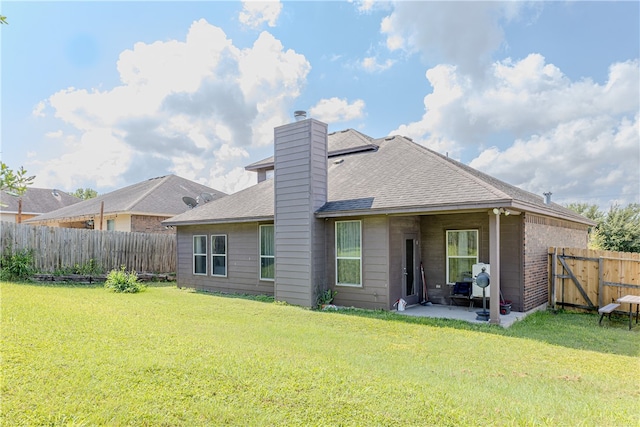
x=461, y=291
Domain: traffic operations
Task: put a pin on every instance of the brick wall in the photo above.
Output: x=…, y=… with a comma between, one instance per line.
x=149, y=224
x=540, y=233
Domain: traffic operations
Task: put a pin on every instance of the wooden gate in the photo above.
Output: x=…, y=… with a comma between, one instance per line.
x=588, y=279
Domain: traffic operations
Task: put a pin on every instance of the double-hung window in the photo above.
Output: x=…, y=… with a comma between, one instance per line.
x=219, y=255
x=349, y=253
x=200, y=255
x=462, y=253
x=267, y=252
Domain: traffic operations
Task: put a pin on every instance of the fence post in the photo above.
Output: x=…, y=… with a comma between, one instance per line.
x=600, y=282
x=554, y=262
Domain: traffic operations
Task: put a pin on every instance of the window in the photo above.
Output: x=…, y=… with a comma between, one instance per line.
x=267, y=253
x=199, y=254
x=111, y=225
x=462, y=253
x=219, y=255
x=348, y=253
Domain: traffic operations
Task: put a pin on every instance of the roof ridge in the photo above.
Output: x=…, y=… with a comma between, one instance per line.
x=161, y=180
x=461, y=168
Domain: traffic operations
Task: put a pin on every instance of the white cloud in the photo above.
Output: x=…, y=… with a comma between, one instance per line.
x=187, y=107
x=38, y=110
x=256, y=13
x=335, y=110
x=54, y=134
x=463, y=36
x=371, y=64
x=97, y=156
x=596, y=158
x=569, y=135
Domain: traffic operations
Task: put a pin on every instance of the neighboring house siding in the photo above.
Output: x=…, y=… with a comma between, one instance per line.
x=540, y=233
x=374, y=293
x=242, y=260
x=147, y=224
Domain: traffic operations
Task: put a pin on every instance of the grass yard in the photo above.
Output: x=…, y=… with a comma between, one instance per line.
x=78, y=355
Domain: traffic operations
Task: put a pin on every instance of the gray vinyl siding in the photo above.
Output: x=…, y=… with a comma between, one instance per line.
x=374, y=293
x=300, y=180
x=243, y=260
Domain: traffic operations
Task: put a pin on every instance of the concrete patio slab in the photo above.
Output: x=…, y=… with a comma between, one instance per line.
x=459, y=313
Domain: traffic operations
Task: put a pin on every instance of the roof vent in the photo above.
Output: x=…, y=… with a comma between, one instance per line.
x=547, y=198
x=299, y=115
x=389, y=138
x=338, y=161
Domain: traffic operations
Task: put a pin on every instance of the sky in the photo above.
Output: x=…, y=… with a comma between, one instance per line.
x=542, y=95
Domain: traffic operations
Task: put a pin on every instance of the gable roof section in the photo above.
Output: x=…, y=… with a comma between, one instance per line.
x=37, y=201
x=347, y=141
x=160, y=196
x=397, y=177
x=405, y=177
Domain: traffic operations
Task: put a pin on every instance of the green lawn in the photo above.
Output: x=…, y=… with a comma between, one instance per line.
x=74, y=355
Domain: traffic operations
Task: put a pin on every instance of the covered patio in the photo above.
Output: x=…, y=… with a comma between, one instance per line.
x=456, y=312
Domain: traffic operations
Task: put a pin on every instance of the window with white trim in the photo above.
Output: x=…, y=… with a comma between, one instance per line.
x=462, y=253
x=349, y=253
x=267, y=252
x=219, y=255
x=200, y=255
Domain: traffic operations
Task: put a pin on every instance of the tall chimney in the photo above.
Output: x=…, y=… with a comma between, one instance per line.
x=547, y=198
x=300, y=183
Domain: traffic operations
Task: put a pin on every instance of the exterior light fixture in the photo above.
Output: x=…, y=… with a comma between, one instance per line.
x=499, y=211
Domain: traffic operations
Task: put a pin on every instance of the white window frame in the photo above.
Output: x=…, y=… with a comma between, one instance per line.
x=359, y=258
x=260, y=256
x=193, y=248
x=448, y=257
x=226, y=264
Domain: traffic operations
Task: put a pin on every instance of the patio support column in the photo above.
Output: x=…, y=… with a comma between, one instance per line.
x=494, y=261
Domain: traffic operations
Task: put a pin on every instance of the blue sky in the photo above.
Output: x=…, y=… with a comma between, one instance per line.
x=543, y=95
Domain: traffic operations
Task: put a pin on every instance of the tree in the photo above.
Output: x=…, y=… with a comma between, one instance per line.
x=592, y=212
x=85, y=194
x=616, y=230
x=3, y=20
x=620, y=230
x=14, y=182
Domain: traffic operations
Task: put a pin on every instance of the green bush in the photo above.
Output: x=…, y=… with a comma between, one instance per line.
x=122, y=281
x=17, y=266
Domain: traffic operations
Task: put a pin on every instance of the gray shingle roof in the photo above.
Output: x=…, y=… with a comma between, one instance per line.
x=394, y=176
x=37, y=201
x=342, y=142
x=160, y=196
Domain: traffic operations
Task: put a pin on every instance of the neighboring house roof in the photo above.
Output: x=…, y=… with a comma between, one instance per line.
x=160, y=196
x=394, y=176
x=36, y=201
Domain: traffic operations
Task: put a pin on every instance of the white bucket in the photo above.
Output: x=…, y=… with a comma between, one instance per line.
x=401, y=303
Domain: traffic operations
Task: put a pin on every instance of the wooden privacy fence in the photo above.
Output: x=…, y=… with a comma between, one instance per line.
x=589, y=279
x=57, y=248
